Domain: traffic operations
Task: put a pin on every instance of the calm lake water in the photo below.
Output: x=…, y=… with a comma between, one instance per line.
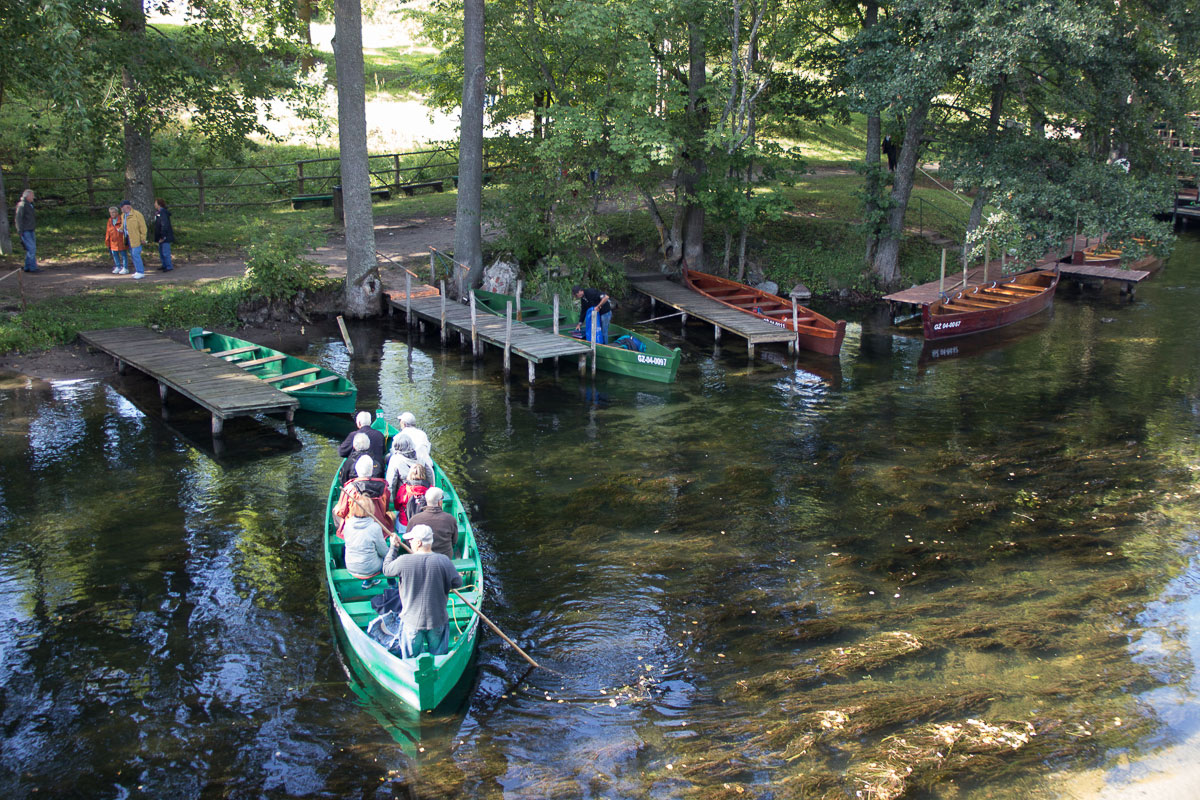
x=964, y=573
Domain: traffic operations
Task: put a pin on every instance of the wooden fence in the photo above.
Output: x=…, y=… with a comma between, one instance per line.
x=210, y=188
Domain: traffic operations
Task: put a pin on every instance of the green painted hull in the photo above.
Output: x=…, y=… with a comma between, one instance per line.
x=657, y=363
x=425, y=682
x=337, y=396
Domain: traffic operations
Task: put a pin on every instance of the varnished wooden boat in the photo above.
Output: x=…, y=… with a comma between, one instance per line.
x=990, y=305
x=317, y=388
x=814, y=332
x=423, y=682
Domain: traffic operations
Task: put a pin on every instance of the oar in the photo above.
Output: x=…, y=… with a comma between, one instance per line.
x=490, y=624
x=654, y=319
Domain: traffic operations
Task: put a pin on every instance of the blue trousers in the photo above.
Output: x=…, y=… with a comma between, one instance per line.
x=119, y=259
x=135, y=255
x=164, y=253
x=29, y=242
x=414, y=642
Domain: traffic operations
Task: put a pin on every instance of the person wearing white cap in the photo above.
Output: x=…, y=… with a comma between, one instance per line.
x=408, y=424
x=426, y=579
x=445, y=527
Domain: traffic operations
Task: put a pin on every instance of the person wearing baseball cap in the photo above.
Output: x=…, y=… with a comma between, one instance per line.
x=408, y=424
x=426, y=579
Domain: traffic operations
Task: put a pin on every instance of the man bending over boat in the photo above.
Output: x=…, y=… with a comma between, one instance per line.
x=362, y=447
x=426, y=579
x=589, y=299
x=374, y=489
x=363, y=421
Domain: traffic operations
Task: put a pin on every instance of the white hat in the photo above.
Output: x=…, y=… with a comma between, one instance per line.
x=420, y=534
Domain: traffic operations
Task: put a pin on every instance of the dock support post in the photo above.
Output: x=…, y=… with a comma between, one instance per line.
x=508, y=312
x=433, y=270
x=595, y=335
x=162, y=392
x=683, y=320
x=442, y=286
x=531, y=371
x=555, y=323
x=582, y=366
x=290, y=416
x=408, y=320
x=121, y=367
x=717, y=333
x=794, y=344
x=653, y=303
x=518, y=301
x=218, y=425
x=474, y=329
x=750, y=348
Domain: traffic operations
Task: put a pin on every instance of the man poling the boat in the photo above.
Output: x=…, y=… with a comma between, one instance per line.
x=426, y=580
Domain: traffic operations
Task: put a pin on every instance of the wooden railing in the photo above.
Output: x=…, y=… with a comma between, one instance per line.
x=210, y=188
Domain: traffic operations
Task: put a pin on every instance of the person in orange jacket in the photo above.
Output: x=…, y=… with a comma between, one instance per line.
x=114, y=240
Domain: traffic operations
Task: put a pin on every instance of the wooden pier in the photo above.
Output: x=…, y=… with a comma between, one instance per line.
x=223, y=389
x=723, y=318
x=482, y=327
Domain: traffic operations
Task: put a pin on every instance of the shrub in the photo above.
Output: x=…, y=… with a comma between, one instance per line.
x=275, y=265
x=210, y=304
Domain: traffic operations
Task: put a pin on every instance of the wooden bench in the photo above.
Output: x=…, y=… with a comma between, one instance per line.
x=302, y=200
x=287, y=375
x=411, y=188
x=310, y=384
x=259, y=362
x=235, y=351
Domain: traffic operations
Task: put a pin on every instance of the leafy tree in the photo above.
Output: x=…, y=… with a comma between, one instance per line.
x=468, y=233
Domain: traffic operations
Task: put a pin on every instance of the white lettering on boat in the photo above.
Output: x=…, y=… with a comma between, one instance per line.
x=657, y=361
x=938, y=326
x=944, y=351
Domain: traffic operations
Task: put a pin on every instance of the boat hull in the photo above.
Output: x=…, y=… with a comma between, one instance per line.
x=814, y=332
x=425, y=682
x=335, y=395
x=657, y=363
x=942, y=320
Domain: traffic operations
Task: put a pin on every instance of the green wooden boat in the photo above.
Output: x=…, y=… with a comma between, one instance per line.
x=318, y=389
x=424, y=682
x=655, y=362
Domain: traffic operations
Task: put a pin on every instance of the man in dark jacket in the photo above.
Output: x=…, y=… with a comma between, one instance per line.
x=26, y=222
x=444, y=526
x=363, y=421
x=426, y=579
x=164, y=234
x=589, y=299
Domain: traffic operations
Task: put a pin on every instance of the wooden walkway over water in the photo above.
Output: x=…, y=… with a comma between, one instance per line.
x=532, y=344
x=213, y=383
x=928, y=293
x=723, y=318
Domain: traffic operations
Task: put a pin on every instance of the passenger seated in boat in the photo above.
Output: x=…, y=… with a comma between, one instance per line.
x=444, y=525
x=366, y=543
x=363, y=421
x=410, y=496
x=404, y=457
x=362, y=447
x=426, y=579
x=374, y=489
x=408, y=426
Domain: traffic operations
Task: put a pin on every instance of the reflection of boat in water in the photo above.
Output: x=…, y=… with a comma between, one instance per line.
x=814, y=331
x=422, y=682
x=987, y=306
x=827, y=370
x=936, y=351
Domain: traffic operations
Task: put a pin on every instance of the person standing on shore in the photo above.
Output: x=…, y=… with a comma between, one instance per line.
x=164, y=234
x=135, y=236
x=114, y=240
x=25, y=224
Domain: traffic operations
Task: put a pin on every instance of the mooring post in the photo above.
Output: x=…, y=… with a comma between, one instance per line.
x=442, y=287
x=518, y=301
x=1002, y=267
x=508, y=311
x=987, y=256
x=408, y=299
x=794, y=345
x=433, y=269
x=555, y=324
x=530, y=363
x=595, y=335
x=474, y=329
x=346, y=335
x=942, y=281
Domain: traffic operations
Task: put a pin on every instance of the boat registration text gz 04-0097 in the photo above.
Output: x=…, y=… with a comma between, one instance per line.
x=657, y=361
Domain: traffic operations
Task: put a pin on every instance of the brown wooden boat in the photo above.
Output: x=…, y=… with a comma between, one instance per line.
x=813, y=331
x=990, y=305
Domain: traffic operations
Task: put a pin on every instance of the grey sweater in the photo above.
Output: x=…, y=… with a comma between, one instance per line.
x=365, y=546
x=425, y=583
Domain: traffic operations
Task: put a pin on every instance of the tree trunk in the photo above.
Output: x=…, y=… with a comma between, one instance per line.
x=304, y=13
x=363, y=288
x=468, y=233
x=887, y=258
x=5, y=234
x=139, y=162
x=873, y=170
x=691, y=210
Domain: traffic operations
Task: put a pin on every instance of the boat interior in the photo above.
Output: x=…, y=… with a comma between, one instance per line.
x=993, y=295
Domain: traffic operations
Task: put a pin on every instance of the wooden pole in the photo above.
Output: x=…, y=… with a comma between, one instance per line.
x=717, y=333
x=595, y=322
x=555, y=324
x=345, y=335
x=408, y=299
x=987, y=257
x=442, y=286
x=530, y=363
x=942, y=280
x=794, y=345
x=518, y=301
x=474, y=329
x=508, y=314
x=200, y=189
x=433, y=269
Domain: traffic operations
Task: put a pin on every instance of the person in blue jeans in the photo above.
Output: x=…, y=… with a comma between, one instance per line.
x=164, y=234
x=593, y=298
x=135, y=234
x=426, y=579
x=26, y=222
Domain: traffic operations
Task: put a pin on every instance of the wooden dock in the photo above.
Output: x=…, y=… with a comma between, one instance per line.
x=723, y=318
x=482, y=327
x=927, y=293
x=213, y=383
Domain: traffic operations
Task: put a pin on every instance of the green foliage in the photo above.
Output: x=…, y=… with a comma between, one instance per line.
x=208, y=304
x=275, y=265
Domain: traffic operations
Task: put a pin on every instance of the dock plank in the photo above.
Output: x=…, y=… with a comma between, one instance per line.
x=754, y=330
